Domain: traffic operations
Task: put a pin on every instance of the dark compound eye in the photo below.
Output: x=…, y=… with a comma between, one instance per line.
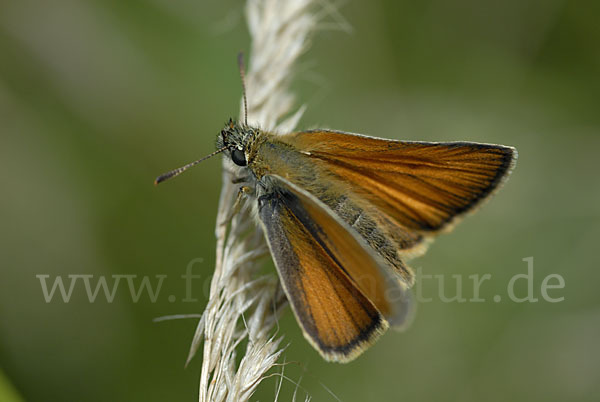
x=238, y=157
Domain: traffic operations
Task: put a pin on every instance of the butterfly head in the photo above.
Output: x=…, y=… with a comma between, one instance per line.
x=236, y=138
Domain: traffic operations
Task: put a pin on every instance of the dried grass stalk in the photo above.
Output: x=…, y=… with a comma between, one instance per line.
x=243, y=307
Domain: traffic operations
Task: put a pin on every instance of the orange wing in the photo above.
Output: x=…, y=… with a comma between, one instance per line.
x=340, y=292
x=421, y=186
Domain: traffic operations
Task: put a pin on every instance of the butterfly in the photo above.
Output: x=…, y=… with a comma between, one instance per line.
x=342, y=212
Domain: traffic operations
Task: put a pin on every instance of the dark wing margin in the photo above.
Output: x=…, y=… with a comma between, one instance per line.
x=422, y=186
x=340, y=292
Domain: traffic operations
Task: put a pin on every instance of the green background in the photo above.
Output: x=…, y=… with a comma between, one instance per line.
x=98, y=97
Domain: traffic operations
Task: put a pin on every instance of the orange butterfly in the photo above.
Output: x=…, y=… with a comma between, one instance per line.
x=342, y=213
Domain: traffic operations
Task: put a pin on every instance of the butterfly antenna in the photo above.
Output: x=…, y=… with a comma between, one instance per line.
x=178, y=171
x=243, y=77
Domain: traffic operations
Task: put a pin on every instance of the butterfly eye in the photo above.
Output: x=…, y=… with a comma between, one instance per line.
x=238, y=157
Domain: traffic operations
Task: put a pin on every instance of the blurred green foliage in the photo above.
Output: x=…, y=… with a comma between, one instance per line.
x=98, y=97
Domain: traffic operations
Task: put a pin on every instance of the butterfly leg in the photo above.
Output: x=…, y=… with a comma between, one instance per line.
x=237, y=205
x=242, y=179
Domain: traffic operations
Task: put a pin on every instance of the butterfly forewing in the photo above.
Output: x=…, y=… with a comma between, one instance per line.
x=339, y=291
x=421, y=186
